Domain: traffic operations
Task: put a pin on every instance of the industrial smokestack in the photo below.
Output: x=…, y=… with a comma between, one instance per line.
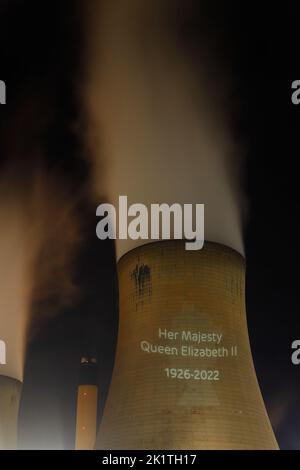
x=87, y=400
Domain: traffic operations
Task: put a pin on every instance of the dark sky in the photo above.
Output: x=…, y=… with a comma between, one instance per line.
x=41, y=62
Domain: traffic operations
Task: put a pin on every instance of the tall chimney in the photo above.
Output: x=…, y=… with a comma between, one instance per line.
x=87, y=399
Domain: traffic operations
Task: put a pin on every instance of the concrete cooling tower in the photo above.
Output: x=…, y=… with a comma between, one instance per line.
x=183, y=376
x=10, y=394
x=161, y=133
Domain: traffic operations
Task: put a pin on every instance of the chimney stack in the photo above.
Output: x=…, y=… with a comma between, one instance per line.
x=87, y=399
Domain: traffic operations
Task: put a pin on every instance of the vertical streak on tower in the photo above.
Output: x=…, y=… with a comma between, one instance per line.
x=10, y=393
x=183, y=376
x=87, y=400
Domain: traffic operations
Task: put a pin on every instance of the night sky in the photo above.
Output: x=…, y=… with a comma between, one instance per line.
x=41, y=54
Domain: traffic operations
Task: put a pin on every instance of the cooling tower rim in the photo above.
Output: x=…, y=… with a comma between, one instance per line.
x=178, y=242
x=7, y=378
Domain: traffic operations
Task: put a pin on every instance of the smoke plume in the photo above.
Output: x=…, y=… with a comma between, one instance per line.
x=39, y=236
x=40, y=230
x=159, y=107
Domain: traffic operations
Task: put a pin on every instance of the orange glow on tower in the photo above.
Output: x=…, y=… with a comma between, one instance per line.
x=87, y=399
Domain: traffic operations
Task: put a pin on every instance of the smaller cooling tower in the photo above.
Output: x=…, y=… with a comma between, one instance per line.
x=10, y=393
x=87, y=399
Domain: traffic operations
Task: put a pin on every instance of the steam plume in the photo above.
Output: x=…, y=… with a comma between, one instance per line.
x=38, y=238
x=160, y=123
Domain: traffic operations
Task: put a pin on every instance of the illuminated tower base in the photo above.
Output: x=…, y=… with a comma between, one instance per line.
x=10, y=393
x=183, y=376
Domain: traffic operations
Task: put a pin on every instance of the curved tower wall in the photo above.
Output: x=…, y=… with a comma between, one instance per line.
x=10, y=394
x=183, y=376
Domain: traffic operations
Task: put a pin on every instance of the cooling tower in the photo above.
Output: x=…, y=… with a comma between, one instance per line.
x=183, y=375
x=87, y=401
x=10, y=393
x=162, y=132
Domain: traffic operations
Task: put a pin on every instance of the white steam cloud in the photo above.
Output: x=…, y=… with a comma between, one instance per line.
x=159, y=128
x=38, y=239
